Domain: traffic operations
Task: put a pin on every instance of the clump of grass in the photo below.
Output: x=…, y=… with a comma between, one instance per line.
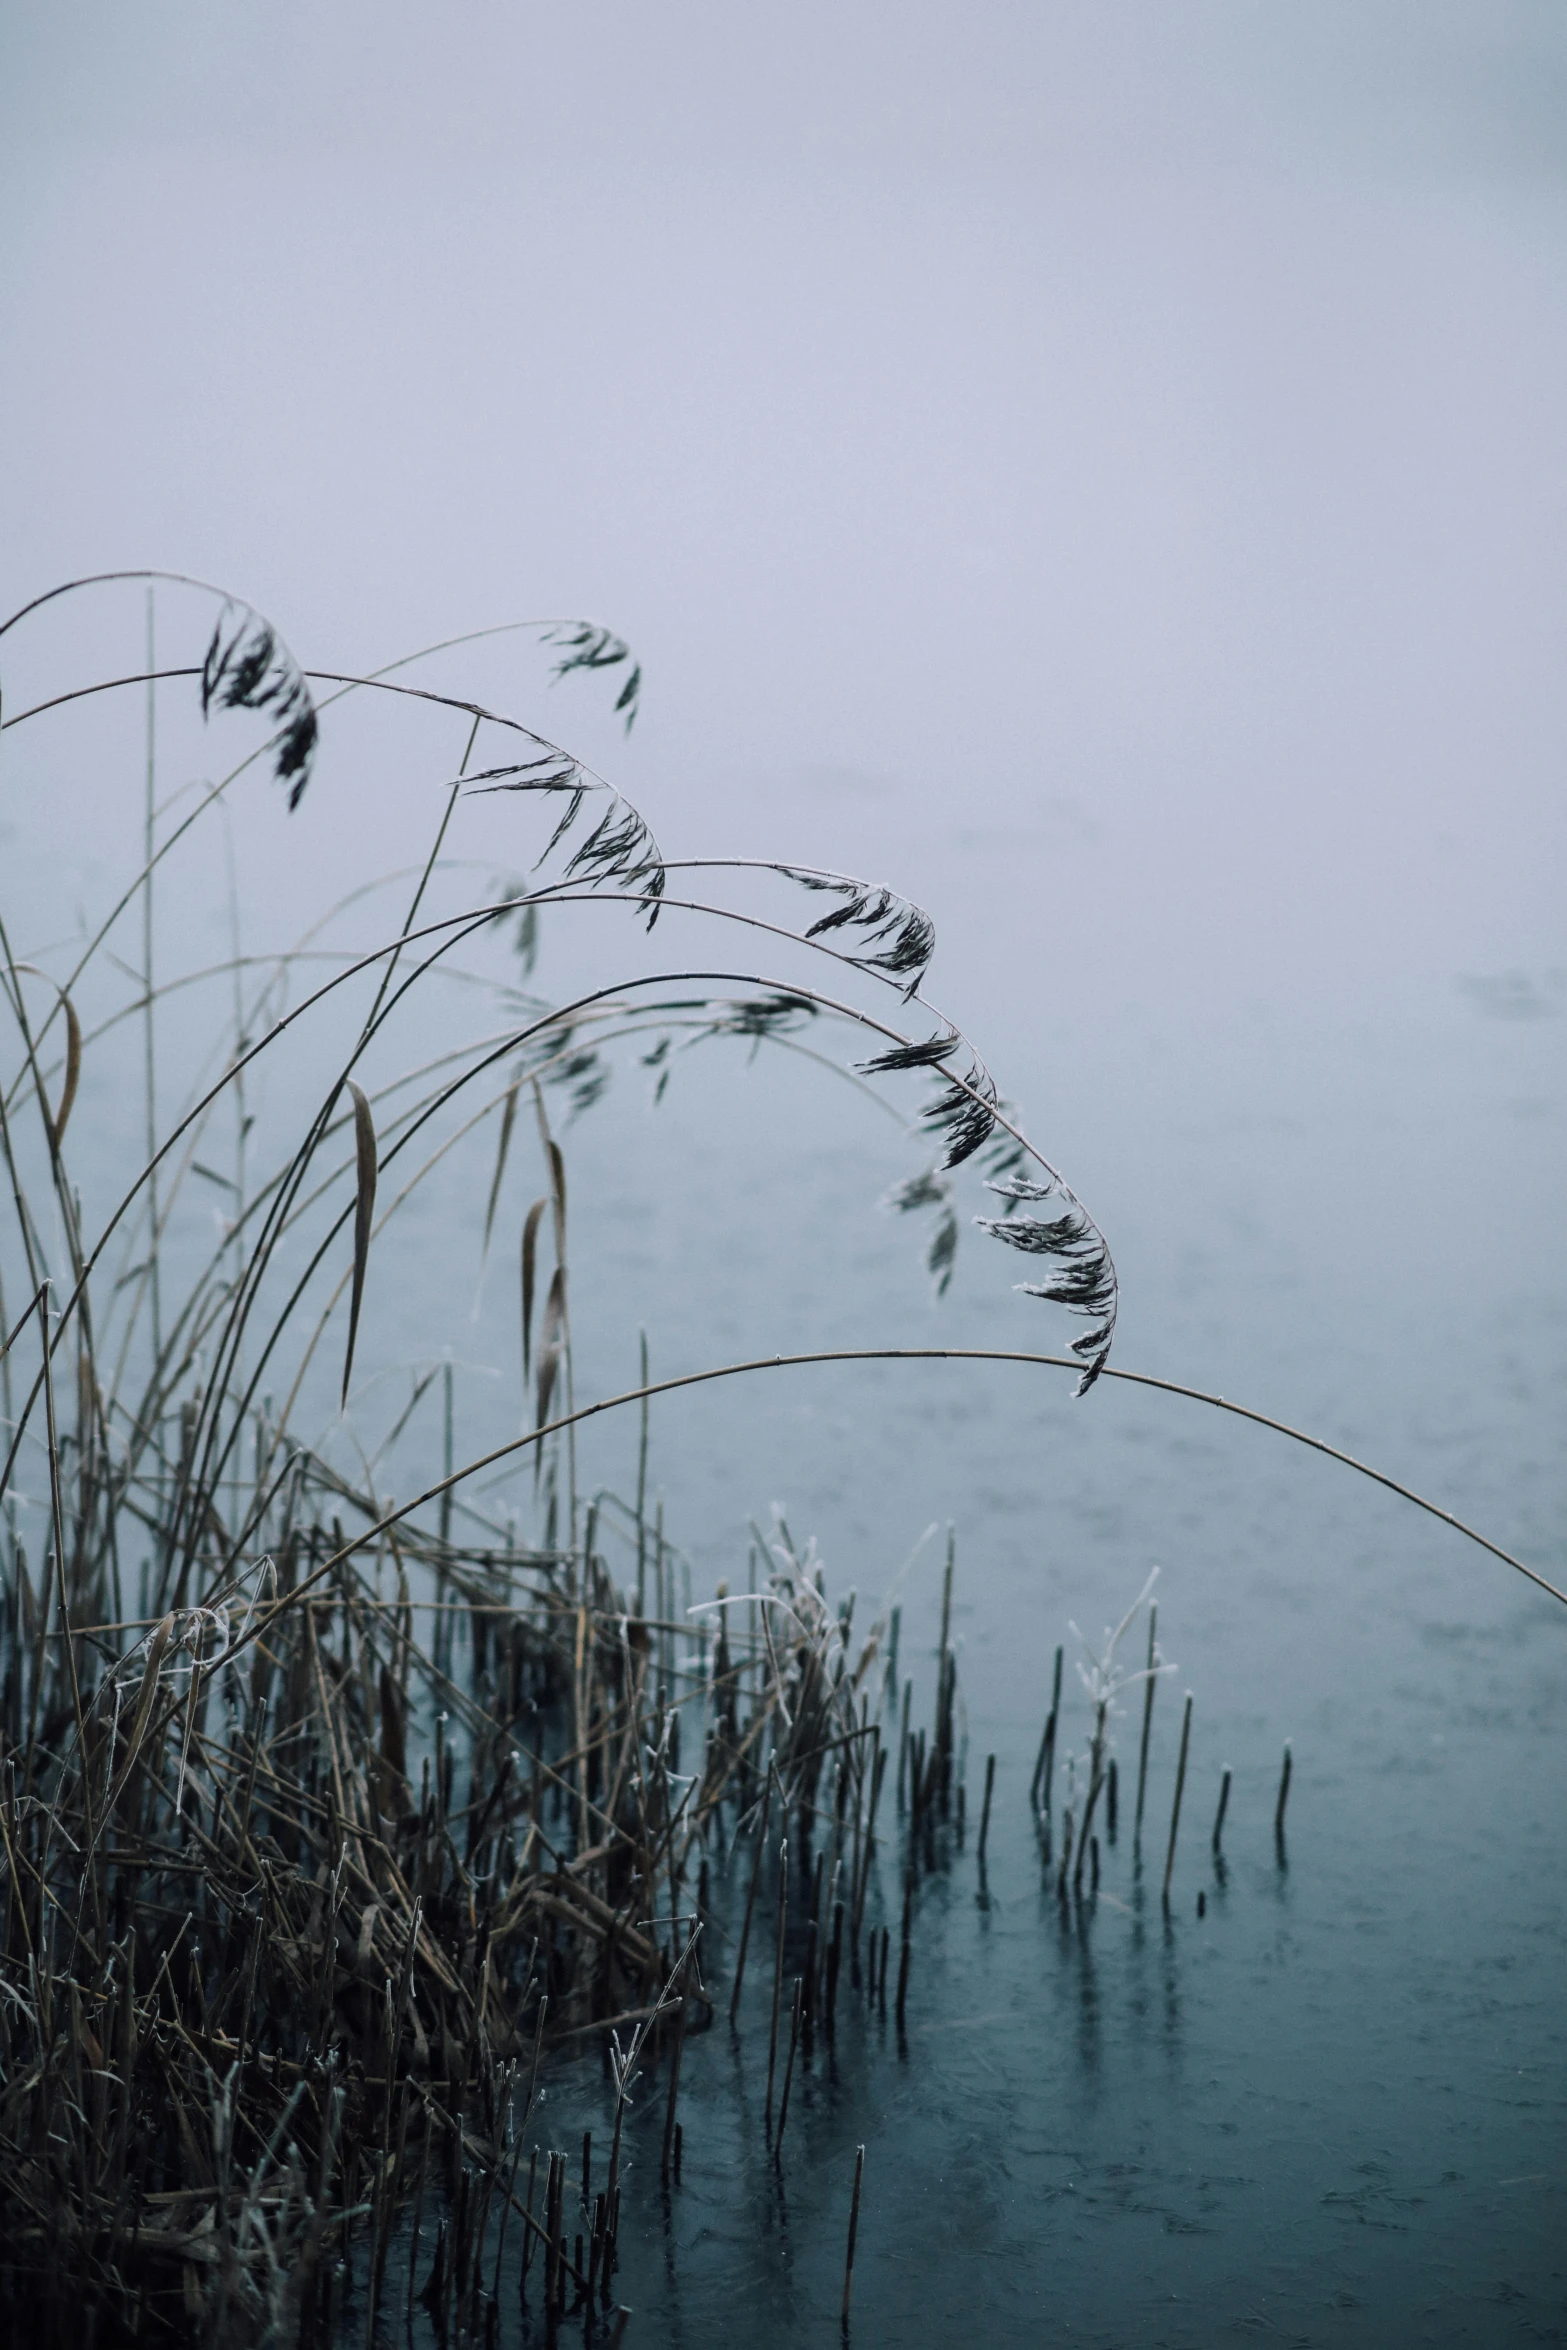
x=316, y=1840
x=260, y=1972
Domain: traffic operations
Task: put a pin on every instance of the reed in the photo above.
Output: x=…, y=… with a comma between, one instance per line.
x=1104, y=1678
x=854, y=2229
x=796, y=2012
x=1180, y=1789
x=314, y=1845
x=1224, y=1805
x=1044, y=1767
x=1284, y=1796
x=1150, y=1684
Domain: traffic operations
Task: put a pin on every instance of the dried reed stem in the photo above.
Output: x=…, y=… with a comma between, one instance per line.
x=854, y=2229
x=1180, y=1785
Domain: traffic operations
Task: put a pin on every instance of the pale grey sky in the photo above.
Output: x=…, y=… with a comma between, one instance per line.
x=1104, y=465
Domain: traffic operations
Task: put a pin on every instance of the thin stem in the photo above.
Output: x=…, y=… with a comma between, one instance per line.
x=874, y=1354
x=150, y=1082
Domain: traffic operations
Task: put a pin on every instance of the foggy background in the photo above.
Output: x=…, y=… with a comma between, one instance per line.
x=1101, y=469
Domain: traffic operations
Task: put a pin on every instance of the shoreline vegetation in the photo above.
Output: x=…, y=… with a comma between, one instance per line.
x=325, y=1821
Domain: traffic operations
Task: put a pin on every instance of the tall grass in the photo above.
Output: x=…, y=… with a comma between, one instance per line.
x=322, y=1816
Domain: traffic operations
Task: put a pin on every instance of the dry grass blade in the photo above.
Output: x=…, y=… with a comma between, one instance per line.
x=550, y=1336
x=365, y=1159
x=508, y=1117
x=157, y=1647
x=73, y=1070
x=558, y=1192
x=55, y=1120
x=530, y=1255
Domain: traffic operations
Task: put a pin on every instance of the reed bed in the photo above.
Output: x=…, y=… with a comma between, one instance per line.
x=325, y=1820
x=263, y=1984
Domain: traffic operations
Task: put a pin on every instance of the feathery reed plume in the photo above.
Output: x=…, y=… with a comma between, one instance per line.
x=247, y=666
x=587, y=646
x=1086, y=1282
x=893, y=935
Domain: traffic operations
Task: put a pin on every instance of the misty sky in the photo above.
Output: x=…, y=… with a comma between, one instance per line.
x=1147, y=420
x=1104, y=467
